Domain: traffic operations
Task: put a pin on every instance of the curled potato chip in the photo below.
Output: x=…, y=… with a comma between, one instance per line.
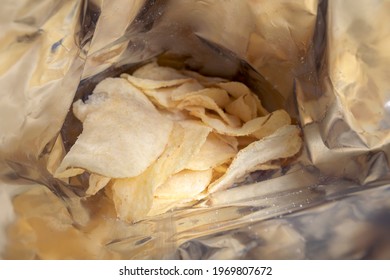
x=164, y=138
x=214, y=152
x=155, y=72
x=235, y=89
x=132, y=197
x=184, y=184
x=240, y=109
x=167, y=97
x=206, y=102
x=163, y=205
x=248, y=128
x=152, y=76
x=186, y=139
x=182, y=189
x=123, y=133
x=219, y=96
x=204, y=80
x=238, y=90
x=283, y=143
x=152, y=84
x=275, y=120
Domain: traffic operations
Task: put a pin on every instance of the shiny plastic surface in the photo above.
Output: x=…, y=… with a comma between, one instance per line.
x=327, y=62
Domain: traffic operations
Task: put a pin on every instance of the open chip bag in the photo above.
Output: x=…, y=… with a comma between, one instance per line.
x=194, y=130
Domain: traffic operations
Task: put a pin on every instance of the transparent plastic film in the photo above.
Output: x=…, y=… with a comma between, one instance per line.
x=324, y=62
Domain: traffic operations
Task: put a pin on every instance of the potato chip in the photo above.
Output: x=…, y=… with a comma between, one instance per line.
x=163, y=205
x=133, y=197
x=283, y=143
x=242, y=110
x=152, y=84
x=165, y=97
x=176, y=115
x=237, y=90
x=204, y=80
x=254, y=103
x=153, y=71
x=182, y=189
x=219, y=96
x=276, y=120
x=184, y=184
x=153, y=76
x=164, y=138
x=206, y=102
x=186, y=139
x=214, y=152
x=230, y=140
x=250, y=127
x=122, y=133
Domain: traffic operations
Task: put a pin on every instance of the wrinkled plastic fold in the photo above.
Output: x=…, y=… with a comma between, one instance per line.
x=325, y=62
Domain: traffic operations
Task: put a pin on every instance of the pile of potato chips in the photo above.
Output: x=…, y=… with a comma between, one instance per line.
x=164, y=138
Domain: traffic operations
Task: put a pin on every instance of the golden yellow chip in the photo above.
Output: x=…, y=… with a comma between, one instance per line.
x=186, y=139
x=237, y=90
x=155, y=72
x=205, y=102
x=184, y=184
x=240, y=109
x=163, y=205
x=123, y=133
x=214, y=152
x=204, y=80
x=219, y=96
x=275, y=120
x=152, y=76
x=133, y=197
x=163, y=138
x=152, y=84
x=182, y=189
x=166, y=97
x=248, y=128
x=283, y=143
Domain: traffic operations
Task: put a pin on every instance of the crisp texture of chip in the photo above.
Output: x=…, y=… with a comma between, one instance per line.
x=214, y=152
x=182, y=189
x=152, y=84
x=152, y=76
x=167, y=97
x=204, y=80
x=237, y=90
x=186, y=139
x=123, y=133
x=241, y=109
x=206, y=102
x=276, y=120
x=155, y=72
x=219, y=96
x=184, y=184
x=247, y=128
x=163, y=205
x=163, y=138
x=133, y=197
x=283, y=143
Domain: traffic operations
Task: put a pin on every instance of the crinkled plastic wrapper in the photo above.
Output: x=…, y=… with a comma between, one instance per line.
x=326, y=62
